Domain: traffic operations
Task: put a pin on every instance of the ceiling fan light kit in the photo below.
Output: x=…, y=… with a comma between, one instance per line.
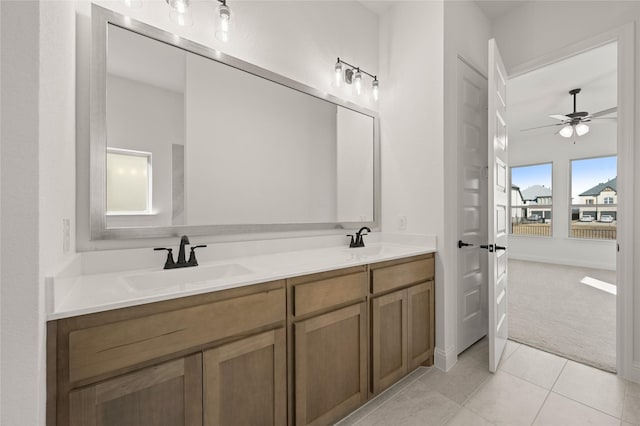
x=574, y=123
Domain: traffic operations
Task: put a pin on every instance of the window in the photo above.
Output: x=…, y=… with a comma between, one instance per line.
x=594, y=198
x=531, y=200
x=128, y=182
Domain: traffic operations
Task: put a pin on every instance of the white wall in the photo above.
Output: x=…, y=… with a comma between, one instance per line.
x=37, y=160
x=262, y=36
x=146, y=118
x=540, y=28
x=20, y=257
x=467, y=32
x=411, y=110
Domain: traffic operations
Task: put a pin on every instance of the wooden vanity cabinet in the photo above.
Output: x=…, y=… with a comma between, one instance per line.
x=402, y=319
x=149, y=364
x=328, y=362
x=168, y=394
x=245, y=382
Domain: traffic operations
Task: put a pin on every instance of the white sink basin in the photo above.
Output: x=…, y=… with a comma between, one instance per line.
x=183, y=278
x=372, y=251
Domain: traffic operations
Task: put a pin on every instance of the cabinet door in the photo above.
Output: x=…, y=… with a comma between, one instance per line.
x=168, y=394
x=389, y=339
x=245, y=382
x=421, y=316
x=330, y=365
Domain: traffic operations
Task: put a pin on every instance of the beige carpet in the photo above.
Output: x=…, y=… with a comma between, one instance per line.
x=550, y=309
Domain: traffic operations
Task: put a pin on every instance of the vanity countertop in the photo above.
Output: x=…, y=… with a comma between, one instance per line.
x=90, y=293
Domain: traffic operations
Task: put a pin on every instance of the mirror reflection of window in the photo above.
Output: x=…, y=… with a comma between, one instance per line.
x=128, y=182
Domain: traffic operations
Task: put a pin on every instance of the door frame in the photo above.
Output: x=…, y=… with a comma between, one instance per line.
x=625, y=37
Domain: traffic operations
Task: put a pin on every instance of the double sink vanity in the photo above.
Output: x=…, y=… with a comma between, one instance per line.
x=291, y=338
x=279, y=322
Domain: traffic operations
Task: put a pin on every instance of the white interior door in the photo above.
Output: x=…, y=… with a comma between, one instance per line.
x=472, y=202
x=498, y=207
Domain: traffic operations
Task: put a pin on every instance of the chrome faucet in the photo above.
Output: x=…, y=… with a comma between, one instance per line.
x=357, y=240
x=182, y=261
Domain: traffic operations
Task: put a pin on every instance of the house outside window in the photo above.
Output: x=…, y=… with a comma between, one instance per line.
x=531, y=200
x=594, y=198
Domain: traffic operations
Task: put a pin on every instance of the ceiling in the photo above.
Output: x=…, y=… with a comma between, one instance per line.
x=532, y=97
x=491, y=8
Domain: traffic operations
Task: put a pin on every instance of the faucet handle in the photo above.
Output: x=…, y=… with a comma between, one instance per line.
x=192, y=256
x=353, y=241
x=170, y=262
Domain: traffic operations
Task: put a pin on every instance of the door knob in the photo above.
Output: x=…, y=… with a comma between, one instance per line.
x=463, y=244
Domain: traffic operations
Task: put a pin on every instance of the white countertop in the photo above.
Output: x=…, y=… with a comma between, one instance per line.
x=89, y=293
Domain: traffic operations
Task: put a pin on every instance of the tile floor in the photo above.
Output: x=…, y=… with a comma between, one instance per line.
x=531, y=387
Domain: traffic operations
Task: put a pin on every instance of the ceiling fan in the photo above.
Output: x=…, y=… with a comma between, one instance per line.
x=574, y=123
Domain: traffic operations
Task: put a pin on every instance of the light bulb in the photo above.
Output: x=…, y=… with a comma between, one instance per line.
x=582, y=129
x=180, y=13
x=338, y=73
x=375, y=87
x=179, y=6
x=566, y=131
x=223, y=22
x=357, y=81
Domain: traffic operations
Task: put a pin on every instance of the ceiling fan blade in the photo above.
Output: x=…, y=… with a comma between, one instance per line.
x=541, y=127
x=604, y=112
x=560, y=117
x=612, y=119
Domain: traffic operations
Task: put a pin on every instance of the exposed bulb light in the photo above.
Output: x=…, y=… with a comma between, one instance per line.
x=223, y=21
x=338, y=73
x=582, y=129
x=357, y=81
x=344, y=72
x=566, y=131
x=375, y=85
x=180, y=14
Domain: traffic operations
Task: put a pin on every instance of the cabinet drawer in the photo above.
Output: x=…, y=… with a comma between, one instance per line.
x=102, y=349
x=318, y=295
x=387, y=278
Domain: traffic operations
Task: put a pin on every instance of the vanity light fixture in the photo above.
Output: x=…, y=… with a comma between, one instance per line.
x=338, y=73
x=351, y=74
x=222, y=23
x=357, y=81
x=180, y=13
x=375, y=88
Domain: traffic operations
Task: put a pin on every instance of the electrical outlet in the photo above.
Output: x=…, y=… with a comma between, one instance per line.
x=402, y=223
x=66, y=235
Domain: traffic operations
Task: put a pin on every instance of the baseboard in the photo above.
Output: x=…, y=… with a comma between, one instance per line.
x=567, y=262
x=445, y=359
